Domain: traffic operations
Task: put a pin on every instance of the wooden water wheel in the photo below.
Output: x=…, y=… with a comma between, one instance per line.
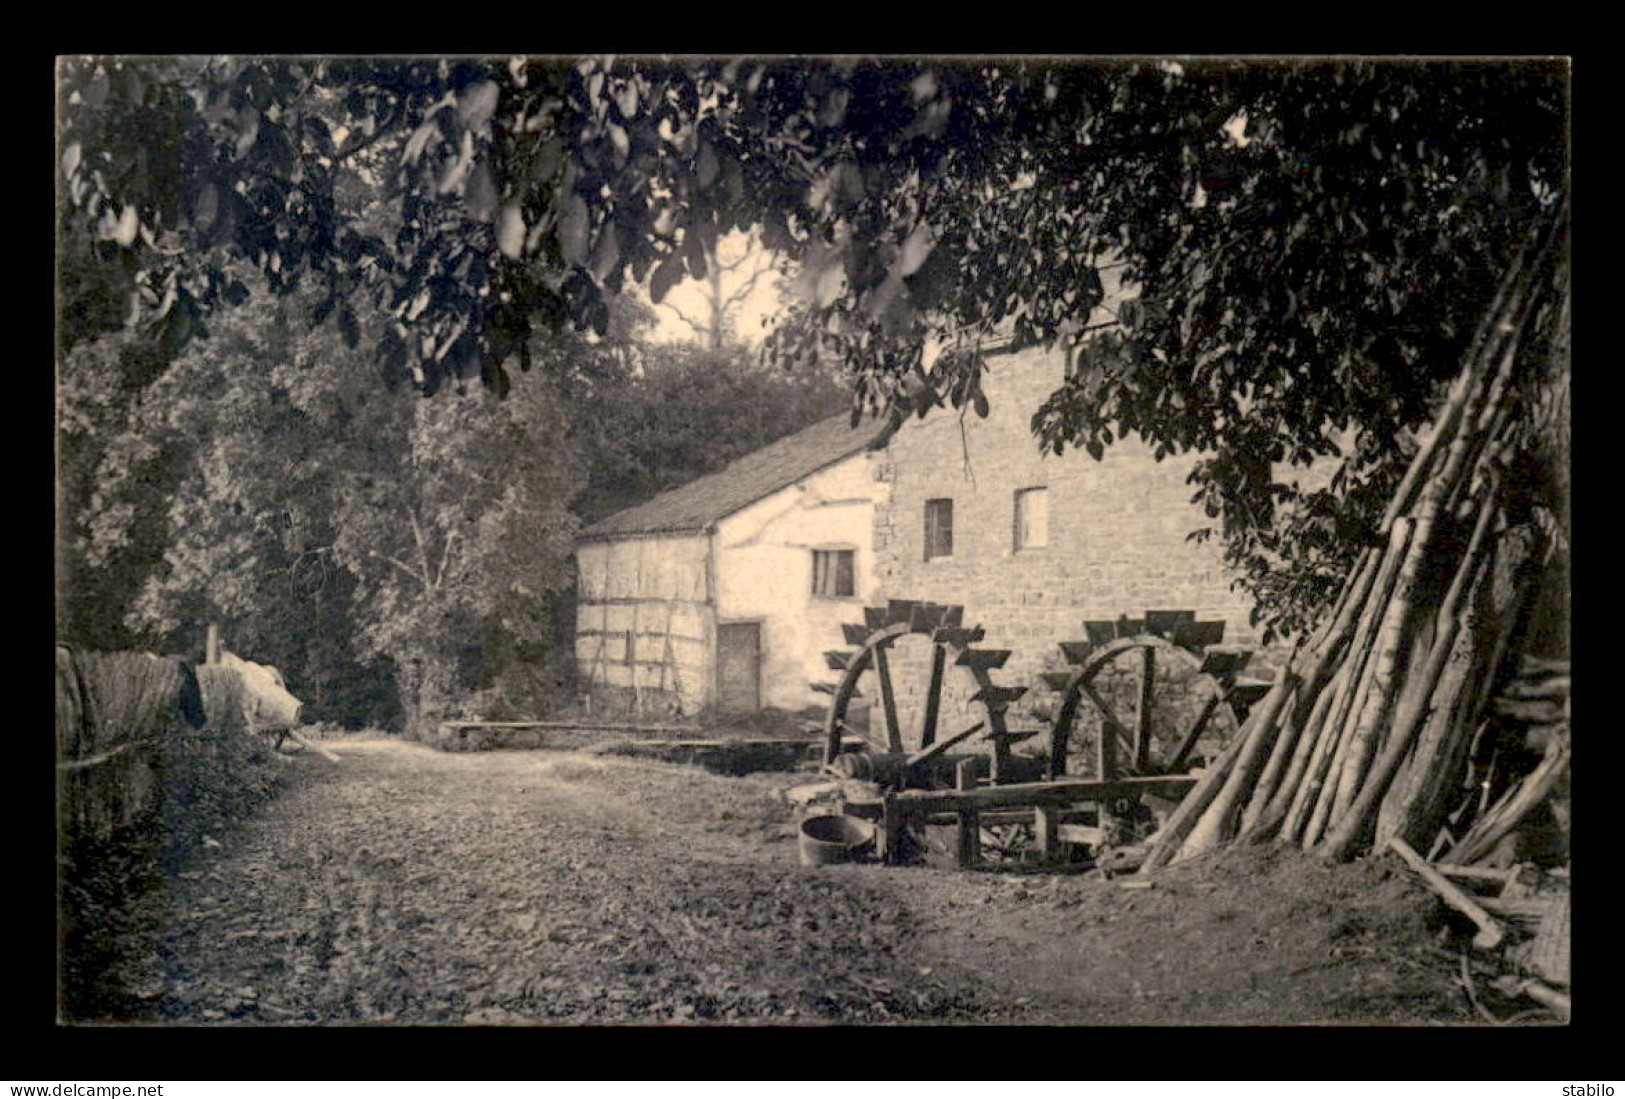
x=1149, y=648
x=919, y=756
x=901, y=762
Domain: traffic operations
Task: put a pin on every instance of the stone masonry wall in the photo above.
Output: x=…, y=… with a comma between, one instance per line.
x=1116, y=539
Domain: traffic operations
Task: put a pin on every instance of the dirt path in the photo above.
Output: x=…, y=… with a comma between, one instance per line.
x=406, y=885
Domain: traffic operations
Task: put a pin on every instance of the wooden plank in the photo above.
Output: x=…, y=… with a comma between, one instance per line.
x=1534, y=666
x=875, y=618
x=957, y=636
x=294, y=735
x=1056, y=681
x=1030, y=794
x=1045, y=824
x=111, y=753
x=855, y=633
x=926, y=617
x=1527, y=908
x=742, y=743
x=1248, y=691
x=1130, y=627
x=968, y=850
x=1142, y=716
x=1100, y=631
x=1198, y=635
x=888, y=701
x=985, y=659
x=1556, y=687
x=1080, y=833
x=837, y=659
x=1490, y=933
x=1110, y=729
x=1068, y=818
x=934, y=750
x=1484, y=873
x=900, y=610
x=891, y=829
x=1223, y=664
x=1194, y=733
x=997, y=698
x=933, y=697
x=585, y=726
x=1164, y=623
x=1076, y=652
x=1014, y=736
x=1552, y=998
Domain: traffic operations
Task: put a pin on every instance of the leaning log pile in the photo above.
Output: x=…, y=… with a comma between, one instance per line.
x=1412, y=720
x=1365, y=735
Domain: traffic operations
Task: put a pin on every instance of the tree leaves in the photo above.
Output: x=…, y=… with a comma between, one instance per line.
x=916, y=249
x=510, y=231
x=706, y=165
x=349, y=327
x=667, y=274
x=480, y=194
x=575, y=230
x=477, y=103
x=830, y=285
x=958, y=196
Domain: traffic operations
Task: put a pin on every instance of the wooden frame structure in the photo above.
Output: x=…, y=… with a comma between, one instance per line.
x=1025, y=803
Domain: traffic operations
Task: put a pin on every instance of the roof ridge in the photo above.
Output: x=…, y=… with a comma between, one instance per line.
x=695, y=505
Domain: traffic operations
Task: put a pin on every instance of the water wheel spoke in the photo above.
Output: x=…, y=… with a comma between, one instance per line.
x=1142, y=716
x=1195, y=732
x=888, y=700
x=933, y=697
x=1112, y=732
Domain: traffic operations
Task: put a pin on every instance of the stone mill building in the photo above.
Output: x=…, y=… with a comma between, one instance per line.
x=724, y=593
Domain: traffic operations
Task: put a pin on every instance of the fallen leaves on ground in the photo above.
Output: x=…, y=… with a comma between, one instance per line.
x=410, y=886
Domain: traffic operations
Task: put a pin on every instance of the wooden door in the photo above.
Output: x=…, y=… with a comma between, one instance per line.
x=739, y=667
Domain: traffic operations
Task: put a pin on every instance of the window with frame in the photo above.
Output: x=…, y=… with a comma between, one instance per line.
x=939, y=529
x=1031, y=518
x=834, y=572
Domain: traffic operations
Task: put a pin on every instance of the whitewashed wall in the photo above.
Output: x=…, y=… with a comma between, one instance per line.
x=764, y=573
x=652, y=594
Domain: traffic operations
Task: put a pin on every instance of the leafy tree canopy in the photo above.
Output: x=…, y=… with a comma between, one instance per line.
x=1305, y=245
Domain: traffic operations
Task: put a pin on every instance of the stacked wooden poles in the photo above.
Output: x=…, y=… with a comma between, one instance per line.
x=1370, y=722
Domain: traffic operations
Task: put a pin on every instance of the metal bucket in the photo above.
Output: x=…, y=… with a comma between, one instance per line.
x=826, y=840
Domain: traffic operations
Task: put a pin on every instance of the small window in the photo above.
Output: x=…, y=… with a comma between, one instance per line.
x=1032, y=518
x=939, y=528
x=833, y=572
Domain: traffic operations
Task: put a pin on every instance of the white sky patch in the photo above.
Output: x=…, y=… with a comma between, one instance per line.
x=689, y=296
x=1237, y=129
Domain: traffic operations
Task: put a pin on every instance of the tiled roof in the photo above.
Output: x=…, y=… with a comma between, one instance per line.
x=695, y=506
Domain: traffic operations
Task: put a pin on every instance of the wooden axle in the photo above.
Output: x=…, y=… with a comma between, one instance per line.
x=915, y=803
x=899, y=768
x=1020, y=816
